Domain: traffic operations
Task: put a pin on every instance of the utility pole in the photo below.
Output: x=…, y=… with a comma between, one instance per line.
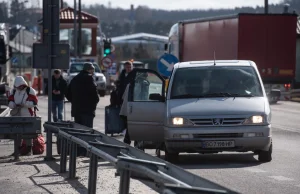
x=79, y=28
x=75, y=30
x=266, y=6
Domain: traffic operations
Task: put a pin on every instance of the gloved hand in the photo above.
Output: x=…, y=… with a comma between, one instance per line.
x=28, y=104
x=12, y=105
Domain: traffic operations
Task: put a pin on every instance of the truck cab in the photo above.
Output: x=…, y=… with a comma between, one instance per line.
x=76, y=65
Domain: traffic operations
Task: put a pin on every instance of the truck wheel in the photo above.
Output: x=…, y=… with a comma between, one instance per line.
x=266, y=156
x=102, y=93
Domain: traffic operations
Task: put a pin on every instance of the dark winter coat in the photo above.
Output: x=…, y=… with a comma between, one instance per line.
x=83, y=95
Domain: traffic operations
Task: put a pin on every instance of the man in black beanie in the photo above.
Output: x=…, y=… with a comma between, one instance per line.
x=83, y=95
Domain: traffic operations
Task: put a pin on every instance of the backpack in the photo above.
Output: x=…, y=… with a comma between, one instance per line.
x=28, y=91
x=38, y=145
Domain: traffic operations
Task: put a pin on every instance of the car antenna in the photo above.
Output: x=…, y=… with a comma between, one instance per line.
x=214, y=58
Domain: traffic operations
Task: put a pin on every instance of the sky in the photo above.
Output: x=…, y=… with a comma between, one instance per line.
x=177, y=4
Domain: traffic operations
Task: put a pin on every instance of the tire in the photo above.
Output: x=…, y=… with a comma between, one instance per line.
x=266, y=156
x=139, y=145
x=102, y=93
x=171, y=157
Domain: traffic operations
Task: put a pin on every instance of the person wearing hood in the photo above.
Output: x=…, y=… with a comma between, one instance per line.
x=83, y=95
x=59, y=89
x=23, y=100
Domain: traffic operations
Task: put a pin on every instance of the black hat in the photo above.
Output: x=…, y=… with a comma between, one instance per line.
x=88, y=66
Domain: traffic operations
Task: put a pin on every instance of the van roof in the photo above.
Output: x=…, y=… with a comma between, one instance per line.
x=211, y=63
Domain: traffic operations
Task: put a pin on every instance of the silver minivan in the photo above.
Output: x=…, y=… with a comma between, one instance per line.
x=208, y=107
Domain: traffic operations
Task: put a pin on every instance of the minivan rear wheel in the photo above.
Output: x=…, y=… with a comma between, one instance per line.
x=266, y=156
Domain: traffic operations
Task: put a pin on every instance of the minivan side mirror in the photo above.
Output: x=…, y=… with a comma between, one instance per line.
x=157, y=97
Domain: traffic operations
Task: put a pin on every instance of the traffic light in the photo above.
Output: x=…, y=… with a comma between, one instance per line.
x=2, y=50
x=107, y=47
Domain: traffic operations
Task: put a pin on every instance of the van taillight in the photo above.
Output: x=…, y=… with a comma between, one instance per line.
x=287, y=85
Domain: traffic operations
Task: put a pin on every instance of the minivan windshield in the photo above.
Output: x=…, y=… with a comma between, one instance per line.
x=216, y=81
x=77, y=67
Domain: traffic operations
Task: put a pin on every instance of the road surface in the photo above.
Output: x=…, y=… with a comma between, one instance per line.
x=241, y=171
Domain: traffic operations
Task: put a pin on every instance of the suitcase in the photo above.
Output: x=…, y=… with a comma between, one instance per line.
x=113, y=122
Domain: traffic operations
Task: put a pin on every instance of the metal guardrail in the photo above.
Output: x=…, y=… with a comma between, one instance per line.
x=295, y=95
x=130, y=162
x=5, y=112
x=19, y=127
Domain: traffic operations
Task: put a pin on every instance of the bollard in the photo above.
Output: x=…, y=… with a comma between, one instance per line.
x=72, y=163
x=124, y=182
x=92, y=185
x=63, y=155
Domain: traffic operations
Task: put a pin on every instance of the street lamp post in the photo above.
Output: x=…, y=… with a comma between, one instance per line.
x=75, y=30
x=17, y=20
x=266, y=6
x=79, y=27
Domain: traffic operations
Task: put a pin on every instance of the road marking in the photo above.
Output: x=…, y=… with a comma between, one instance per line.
x=254, y=170
x=281, y=178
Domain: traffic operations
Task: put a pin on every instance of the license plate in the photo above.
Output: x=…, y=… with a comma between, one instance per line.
x=218, y=144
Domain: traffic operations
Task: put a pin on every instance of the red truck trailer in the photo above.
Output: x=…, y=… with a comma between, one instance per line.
x=267, y=39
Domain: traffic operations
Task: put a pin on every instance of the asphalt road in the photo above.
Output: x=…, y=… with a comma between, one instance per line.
x=242, y=172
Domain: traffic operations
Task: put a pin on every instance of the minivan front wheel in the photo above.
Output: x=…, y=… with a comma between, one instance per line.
x=266, y=156
x=171, y=156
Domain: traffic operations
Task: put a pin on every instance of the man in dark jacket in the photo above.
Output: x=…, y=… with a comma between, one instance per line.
x=59, y=89
x=83, y=95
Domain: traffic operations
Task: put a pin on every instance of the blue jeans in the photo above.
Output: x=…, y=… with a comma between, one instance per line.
x=57, y=110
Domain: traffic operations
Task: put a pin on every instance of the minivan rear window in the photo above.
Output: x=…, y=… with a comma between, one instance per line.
x=215, y=81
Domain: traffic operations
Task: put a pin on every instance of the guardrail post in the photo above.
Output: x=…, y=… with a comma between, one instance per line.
x=63, y=155
x=49, y=156
x=93, y=174
x=124, y=182
x=16, y=147
x=72, y=163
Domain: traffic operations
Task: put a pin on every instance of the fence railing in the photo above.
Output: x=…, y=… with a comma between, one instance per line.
x=18, y=128
x=130, y=162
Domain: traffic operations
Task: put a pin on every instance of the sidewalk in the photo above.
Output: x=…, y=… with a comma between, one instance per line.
x=33, y=175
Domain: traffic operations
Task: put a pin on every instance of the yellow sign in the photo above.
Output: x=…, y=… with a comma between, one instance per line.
x=286, y=72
